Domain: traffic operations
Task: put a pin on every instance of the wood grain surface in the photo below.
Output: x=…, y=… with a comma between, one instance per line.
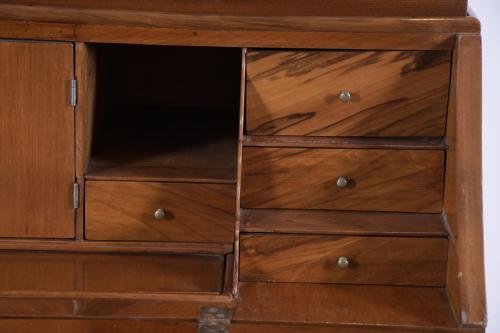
x=298, y=303
x=36, y=140
x=378, y=180
x=372, y=260
x=194, y=212
x=342, y=222
x=275, y=7
x=392, y=93
x=53, y=272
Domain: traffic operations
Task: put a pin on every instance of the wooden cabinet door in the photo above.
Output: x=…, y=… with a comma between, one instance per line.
x=36, y=140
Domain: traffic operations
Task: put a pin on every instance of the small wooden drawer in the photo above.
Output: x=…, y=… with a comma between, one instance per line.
x=146, y=211
x=353, y=260
x=343, y=179
x=347, y=93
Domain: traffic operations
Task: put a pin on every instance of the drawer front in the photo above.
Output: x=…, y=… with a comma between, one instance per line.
x=153, y=273
x=132, y=211
x=376, y=180
x=331, y=259
x=38, y=271
x=390, y=93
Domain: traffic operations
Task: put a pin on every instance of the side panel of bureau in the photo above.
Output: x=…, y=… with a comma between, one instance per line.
x=36, y=140
x=371, y=260
x=378, y=180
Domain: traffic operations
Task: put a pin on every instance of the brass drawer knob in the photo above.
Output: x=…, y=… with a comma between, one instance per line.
x=160, y=214
x=343, y=262
x=342, y=182
x=345, y=96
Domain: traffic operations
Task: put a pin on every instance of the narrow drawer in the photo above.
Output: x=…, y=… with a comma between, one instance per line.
x=343, y=179
x=347, y=93
x=143, y=211
x=126, y=273
x=331, y=259
x=38, y=271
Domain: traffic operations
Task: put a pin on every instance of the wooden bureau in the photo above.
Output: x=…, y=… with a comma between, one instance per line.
x=233, y=166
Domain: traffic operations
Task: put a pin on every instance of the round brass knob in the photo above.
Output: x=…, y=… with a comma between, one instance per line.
x=342, y=182
x=345, y=96
x=343, y=262
x=160, y=214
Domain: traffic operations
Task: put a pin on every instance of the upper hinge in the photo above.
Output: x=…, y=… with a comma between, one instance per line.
x=76, y=196
x=73, y=92
x=214, y=320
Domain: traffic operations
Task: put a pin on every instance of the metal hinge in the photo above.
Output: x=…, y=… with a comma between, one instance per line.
x=76, y=196
x=73, y=92
x=214, y=320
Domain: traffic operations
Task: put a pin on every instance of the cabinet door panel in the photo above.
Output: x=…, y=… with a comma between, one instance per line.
x=36, y=140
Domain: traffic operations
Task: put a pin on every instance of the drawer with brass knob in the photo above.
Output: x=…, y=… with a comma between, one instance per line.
x=347, y=93
x=150, y=211
x=343, y=259
x=343, y=179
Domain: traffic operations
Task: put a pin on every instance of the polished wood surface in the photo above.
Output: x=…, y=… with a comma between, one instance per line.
x=384, y=8
x=32, y=272
x=342, y=223
x=297, y=303
x=379, y=180
x=392, y=93
x=238, y=327
x=414, y=143
x=372, y=260
x=96, y=326
x=116, y=306
x=82, y=246
x=463, y=196
x=256, y=34
x=202, y=213
x=116, y=273
x=37, y=161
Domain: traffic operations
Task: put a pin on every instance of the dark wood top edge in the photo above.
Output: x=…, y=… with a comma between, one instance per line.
x=346, y=142
x=87, y=16
x=115, y=247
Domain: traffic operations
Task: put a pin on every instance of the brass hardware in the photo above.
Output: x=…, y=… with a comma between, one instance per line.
x=160, y=214
x=345, y=96
x=343, y=262
x=342, y=182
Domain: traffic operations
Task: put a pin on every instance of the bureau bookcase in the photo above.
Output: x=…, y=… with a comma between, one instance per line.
x=219, y=166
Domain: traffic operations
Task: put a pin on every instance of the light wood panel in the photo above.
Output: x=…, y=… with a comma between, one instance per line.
x=342, y=222
x=270, y=8
x=463, y=194
x=298, y=303
x=372, y=260
x=392, y=93
x=36, y=140
x=378, y=180
x=194, y=212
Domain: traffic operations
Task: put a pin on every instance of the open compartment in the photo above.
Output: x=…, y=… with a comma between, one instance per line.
x=163, y=113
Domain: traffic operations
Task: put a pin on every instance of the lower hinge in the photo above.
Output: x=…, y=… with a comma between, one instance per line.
x=76, y=196
x=214, y=320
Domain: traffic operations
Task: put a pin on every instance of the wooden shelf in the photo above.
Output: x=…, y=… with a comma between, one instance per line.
x=156, y=144
x=342, y=223
x=344, y=305
x=426, y=143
